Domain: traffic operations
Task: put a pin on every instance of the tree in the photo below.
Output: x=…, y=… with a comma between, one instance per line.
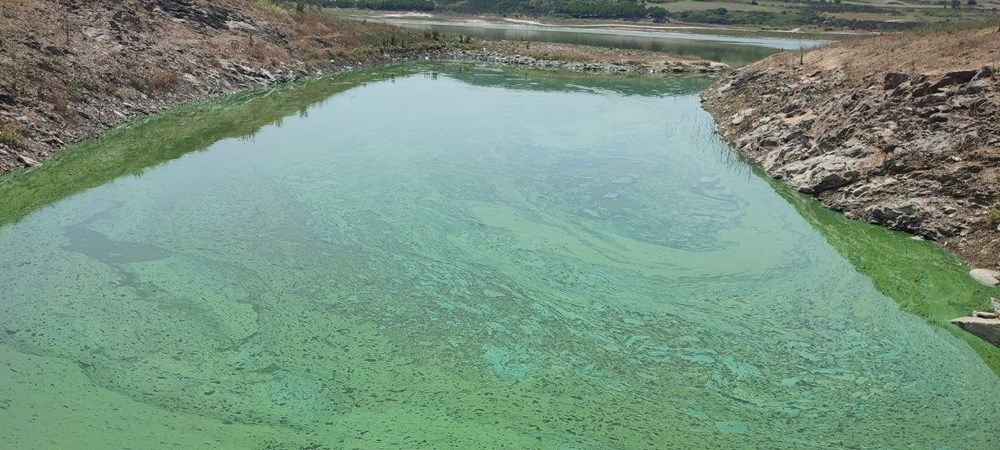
x=955, y=4
x=973, y=3
x=658, y=14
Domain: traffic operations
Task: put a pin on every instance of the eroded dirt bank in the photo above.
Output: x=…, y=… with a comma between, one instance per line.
x=73, y=69
x=901, y=131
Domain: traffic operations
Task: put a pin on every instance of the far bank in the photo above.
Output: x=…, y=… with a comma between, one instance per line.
x=105, y=63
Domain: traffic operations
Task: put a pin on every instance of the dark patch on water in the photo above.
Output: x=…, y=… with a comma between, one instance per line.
x=96, y=245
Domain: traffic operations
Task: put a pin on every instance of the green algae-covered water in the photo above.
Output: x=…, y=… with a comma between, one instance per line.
x=457, y=256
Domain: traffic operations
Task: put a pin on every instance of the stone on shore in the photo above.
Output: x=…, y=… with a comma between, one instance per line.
x=986, y=276
x=987, y=329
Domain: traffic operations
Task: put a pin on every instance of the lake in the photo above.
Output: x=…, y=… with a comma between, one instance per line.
x=453, y=255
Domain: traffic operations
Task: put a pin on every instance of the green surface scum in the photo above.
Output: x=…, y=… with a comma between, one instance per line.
x=457, y=256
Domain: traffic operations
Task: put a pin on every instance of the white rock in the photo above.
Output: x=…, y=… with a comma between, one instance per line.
x=741, y=116
x=986, y=276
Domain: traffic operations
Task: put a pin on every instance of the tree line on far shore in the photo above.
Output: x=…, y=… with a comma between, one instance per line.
x=387, y=5
x=811, y=13
x=596, y=9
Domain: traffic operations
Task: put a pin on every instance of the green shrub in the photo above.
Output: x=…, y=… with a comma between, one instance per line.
x=993, y=215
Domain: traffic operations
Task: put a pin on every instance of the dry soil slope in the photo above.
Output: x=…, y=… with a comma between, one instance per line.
x=73, y=68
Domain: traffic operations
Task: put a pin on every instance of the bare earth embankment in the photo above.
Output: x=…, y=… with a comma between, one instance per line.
x=900, y=130
x=73, y=68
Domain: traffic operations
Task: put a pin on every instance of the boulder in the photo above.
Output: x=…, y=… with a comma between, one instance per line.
x=986, y=72
x=961, y=76
x=986, y=276
x=987, y=329
x=894, y=79
x=821, y=173
x=901, y=90
x=27, y=160
x=977, y=86
x=938, y=117
x=921, y=89
x=953, y=78
x=739, y=118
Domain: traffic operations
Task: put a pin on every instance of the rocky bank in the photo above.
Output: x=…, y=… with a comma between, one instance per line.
x=901, y=131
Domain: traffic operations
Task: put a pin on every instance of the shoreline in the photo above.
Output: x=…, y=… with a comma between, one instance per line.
x=241, y=78
x=113, y=68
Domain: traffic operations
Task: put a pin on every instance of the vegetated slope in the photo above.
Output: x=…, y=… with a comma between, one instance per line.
x=74, y=68
x=901, y=130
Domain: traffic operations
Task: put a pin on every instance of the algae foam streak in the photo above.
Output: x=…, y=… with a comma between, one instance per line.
x=451, y=256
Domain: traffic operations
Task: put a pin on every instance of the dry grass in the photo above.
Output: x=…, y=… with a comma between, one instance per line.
x=11, y=134
x=270, y=8
x=929, y=52
x=59, y=99
x=160, y=79
x=993, y=215
x=316, y=36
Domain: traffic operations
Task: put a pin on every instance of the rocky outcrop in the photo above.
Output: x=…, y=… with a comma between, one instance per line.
x=916, y=152
x=985, y=324
x=207, y=15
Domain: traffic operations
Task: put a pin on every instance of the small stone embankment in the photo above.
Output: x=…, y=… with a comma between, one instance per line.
x=665, y=66
x=910, y=149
